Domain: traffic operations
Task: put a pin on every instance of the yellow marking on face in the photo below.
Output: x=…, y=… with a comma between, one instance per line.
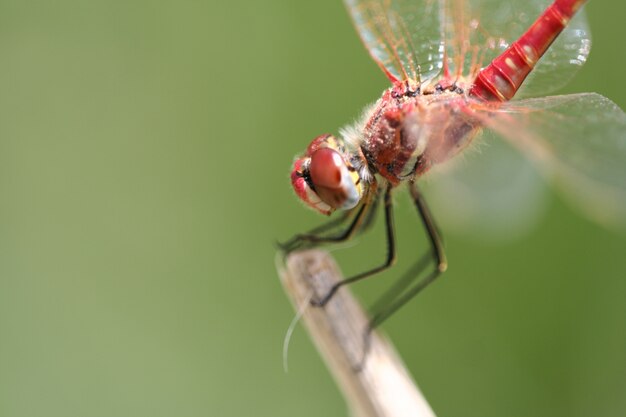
x=354, y=175
x=332, y=143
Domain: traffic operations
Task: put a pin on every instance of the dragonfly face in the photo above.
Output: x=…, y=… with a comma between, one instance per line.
x=325, y=177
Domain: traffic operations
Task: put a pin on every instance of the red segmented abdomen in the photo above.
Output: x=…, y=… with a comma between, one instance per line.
x=503, y=77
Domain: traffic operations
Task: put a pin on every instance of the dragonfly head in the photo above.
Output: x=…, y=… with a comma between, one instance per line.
x=324, y=178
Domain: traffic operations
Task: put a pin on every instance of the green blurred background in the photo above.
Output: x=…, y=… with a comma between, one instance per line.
x=145, y=149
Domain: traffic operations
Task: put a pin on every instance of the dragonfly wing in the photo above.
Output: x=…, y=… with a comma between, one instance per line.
x=402, y=36
x=490, y=191
x=562, y=61
x=579, y=140
x=422, y=39
x=477, y=31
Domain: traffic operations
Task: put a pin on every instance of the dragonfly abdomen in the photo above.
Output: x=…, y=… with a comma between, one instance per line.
x=504, y=76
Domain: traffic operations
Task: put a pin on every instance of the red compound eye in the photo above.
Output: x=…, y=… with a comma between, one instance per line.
x=325, y=168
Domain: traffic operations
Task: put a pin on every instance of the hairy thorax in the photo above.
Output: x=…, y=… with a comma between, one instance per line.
x=408, y=131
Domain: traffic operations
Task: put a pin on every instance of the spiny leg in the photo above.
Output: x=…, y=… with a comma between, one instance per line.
x=402, y=297
x=297, y=241
x=324, y=227
x=401, y=284
x=400, y=301
x=371, y=214
x=361, y=221
x=429, y=223
x=391, y=253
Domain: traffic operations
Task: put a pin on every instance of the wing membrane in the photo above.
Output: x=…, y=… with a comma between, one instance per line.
x=490, y=191
x=421, y=39
x=579, y=140
x=562, y=60
x=402, y=36
x=477, y=31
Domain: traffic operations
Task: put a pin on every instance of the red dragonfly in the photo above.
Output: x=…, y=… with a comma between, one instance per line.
x=454, y=66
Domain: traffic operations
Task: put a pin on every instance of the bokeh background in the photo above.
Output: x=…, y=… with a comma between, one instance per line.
x=145, y=149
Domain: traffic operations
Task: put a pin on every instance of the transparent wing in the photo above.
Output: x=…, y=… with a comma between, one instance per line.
x=490, y=191
x=492, y=25
x=421, y=39
x=579, y=140
x=561, y=62
x=403, y=36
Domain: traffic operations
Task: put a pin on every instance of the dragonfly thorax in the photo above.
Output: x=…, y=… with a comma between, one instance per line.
x=404, y=135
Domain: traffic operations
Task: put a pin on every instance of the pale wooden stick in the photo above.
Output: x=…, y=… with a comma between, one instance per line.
x=374, y=385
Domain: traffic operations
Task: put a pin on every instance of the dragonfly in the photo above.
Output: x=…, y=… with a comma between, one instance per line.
x=459, y=69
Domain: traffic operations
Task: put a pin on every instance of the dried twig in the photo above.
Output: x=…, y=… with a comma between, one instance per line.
x=376, y=384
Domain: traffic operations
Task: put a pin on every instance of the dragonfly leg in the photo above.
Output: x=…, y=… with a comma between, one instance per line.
x=362, y=220
x=401, y=284
x=371, y=213
x=298, y=240
x=398, y=295
x=391, y=253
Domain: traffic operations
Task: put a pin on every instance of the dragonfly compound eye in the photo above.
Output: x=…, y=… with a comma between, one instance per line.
x=301, y=182
x=334, y=179
x=326, y=168
x=324, y=180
